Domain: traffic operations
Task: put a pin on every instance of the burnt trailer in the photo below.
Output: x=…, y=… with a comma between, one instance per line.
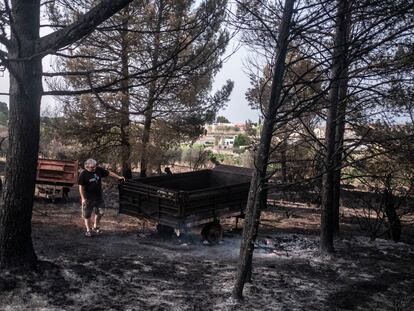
x=185, y=200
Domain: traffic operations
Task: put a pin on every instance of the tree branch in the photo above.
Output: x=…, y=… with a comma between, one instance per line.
x=82, y=27
x=6, y=42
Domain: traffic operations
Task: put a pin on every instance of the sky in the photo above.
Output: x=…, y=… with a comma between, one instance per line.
x=47, y=101
x=237, y=109
x=4, y=86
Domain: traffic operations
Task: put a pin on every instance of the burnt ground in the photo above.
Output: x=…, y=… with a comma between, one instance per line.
x=129, y=267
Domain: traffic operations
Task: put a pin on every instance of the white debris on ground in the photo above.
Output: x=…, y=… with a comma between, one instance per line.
x=129, y=267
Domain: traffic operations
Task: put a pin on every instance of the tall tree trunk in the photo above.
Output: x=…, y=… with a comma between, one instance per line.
x=16, y=248
x=327, y=215
x=125, y=100
x=262, y=204
x=257, y=186
x=390, y=210
x=152, y=93
x=339, y=144
x=283, y=159
x=146, y=136
x=340, y=127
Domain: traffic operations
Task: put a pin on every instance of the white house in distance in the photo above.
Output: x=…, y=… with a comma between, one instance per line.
x=221, y=136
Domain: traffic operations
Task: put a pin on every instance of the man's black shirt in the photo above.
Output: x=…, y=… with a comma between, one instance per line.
x=93, y=183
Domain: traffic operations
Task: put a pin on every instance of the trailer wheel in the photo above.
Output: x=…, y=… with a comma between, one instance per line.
x=165, y=231
x=212, y=232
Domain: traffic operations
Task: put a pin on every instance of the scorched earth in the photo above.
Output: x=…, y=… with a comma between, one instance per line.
x=130, y=267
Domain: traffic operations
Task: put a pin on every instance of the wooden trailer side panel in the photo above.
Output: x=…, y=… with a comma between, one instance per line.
x=186, y=199
x=57, y=172
x=212, y=204
x=148, y=202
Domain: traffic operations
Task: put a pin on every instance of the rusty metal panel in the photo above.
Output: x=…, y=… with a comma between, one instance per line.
x=57, y=172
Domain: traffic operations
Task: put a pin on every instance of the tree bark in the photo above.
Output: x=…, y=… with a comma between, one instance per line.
x=283, y=158
x=146, y=137
x=390, y=210
x=16, y=248
x=125, y=100
x=82, y=27
x=339, y=147
x=257, y=186
x=327, y=215
x=340, y=127
x=249, y=261
x=25, y=51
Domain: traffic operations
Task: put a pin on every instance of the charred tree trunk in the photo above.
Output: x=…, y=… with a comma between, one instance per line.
x=393, y=218
x=340, y=126
x=16, y=248
x=263, y=203
x=390, y=211
x=327, y=215
x=257, y=186
x=125, y=101
x=339, y=147
x=146, y=137
x=283, y=159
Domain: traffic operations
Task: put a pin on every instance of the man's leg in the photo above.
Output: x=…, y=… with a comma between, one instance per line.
x=88, y=224
x=99, y=211
x=86, y=215
x=97, y=220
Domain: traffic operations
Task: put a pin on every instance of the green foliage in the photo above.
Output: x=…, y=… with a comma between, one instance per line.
x=238, y=150
x=387, y=156
x=226, y=128
x=241, y=140
x=222, y=119
x=195, y=156
x=174, y=98
x=251, y=128
x=384, y=165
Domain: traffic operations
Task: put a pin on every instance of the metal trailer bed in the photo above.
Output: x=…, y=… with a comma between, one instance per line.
x=186, y=200
x=55, y=177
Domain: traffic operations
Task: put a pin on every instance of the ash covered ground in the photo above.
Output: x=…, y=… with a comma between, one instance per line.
x=129, y=267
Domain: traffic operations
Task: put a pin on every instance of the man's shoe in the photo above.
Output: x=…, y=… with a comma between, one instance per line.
x=88, y=234
x=97, y=230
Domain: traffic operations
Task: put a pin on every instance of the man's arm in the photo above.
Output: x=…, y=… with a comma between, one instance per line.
x=114, y=175
x=82, y=193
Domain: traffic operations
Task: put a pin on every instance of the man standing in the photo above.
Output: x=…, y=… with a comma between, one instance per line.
x=90, y=189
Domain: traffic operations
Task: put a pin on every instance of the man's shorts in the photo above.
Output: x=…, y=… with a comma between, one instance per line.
x=92, y=206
